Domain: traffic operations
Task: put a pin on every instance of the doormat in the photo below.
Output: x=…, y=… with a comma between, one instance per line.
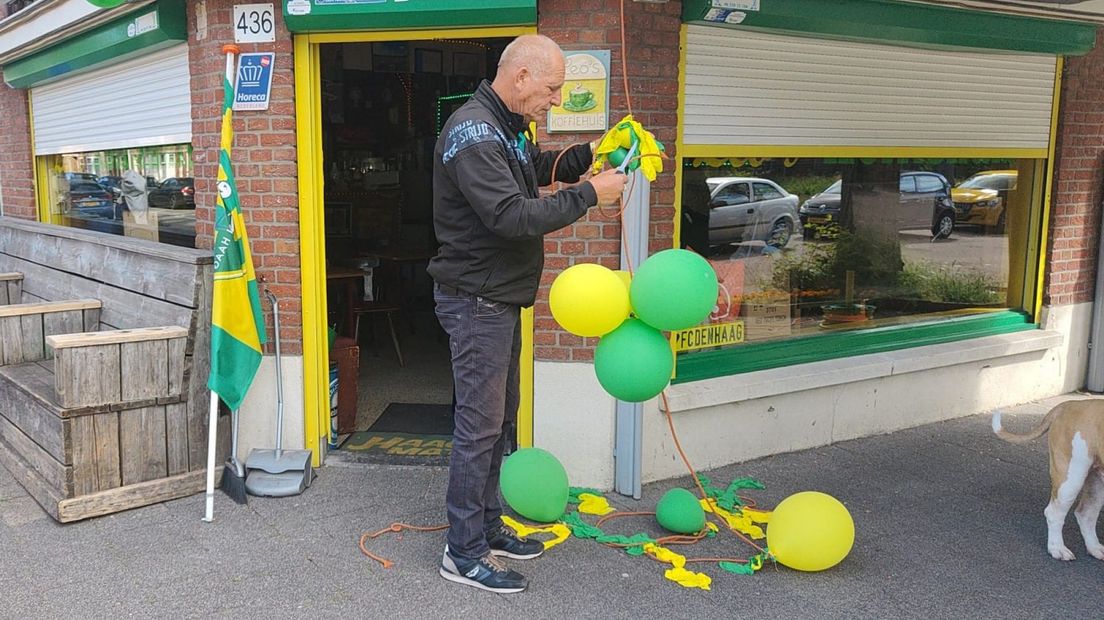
x=405, y=434
x=397, y=448
x=415, y=418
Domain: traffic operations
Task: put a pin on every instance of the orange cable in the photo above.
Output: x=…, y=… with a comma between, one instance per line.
x=397, y=528
x=624, y=55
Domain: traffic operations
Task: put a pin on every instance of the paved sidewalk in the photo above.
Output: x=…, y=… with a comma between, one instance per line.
x=948, y=520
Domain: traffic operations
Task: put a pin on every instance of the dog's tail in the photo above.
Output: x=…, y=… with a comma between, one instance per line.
x=1035, y=433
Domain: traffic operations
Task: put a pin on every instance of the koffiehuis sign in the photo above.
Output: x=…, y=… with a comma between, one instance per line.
x=585, y=93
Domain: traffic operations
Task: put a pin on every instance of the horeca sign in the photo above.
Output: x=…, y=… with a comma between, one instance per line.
x=254, y=81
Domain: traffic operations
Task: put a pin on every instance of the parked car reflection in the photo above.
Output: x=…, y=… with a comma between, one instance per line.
x=87, y=198
x=742, y=209
x=924, y=202
x=980, y=200
x=173, y=193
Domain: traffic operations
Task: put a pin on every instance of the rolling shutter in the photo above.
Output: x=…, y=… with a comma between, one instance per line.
x=145, y=101
x=752, y=88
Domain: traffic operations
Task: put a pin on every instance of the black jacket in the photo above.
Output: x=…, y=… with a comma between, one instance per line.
x=487, y=211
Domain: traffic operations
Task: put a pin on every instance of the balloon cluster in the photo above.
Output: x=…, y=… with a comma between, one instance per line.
x=630, y=137
x=672, y=290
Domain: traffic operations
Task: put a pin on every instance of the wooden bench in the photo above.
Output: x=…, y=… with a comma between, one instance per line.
x=11, y=288
x=100, y=428
x=24, y=328
x=103, y=427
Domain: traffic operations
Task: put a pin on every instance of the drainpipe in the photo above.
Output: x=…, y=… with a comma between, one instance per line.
x=629, y=417
x=1094, y=382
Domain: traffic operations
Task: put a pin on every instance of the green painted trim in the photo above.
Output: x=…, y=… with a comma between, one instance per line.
x=908, y=23
x=413, y=14
x=776, y=354
x=107, y=43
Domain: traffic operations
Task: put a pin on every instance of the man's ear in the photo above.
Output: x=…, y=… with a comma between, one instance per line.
x=523, y=76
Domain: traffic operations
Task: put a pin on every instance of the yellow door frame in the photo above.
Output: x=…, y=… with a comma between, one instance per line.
x=308, y=127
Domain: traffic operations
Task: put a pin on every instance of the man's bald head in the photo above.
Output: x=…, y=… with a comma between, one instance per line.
x=530, y=75
x=535, y=52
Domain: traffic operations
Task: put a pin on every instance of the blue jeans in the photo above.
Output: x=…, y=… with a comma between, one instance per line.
x=485, y=342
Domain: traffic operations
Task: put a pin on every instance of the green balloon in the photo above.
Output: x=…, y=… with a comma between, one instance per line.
x=680, y=512
x=617, y=156
x=534, y=484
x=633, y=362
x=674, y=289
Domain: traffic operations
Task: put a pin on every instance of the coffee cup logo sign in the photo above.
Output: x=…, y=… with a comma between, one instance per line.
x=584, y=103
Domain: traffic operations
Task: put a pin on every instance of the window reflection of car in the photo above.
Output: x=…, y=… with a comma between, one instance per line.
x=81, y=176
x=111, y=183
x=980, y=199
x=917, y=190
x=173, y=193
x=89, y=199
x=742, y=209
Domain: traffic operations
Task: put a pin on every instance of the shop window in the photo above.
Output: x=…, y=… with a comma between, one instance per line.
x=853, y=246
x=147, y=193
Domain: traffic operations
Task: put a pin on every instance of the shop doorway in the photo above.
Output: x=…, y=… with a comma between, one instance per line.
x=382, y=106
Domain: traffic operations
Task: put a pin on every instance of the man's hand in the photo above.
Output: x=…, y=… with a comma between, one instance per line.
x=609, y=185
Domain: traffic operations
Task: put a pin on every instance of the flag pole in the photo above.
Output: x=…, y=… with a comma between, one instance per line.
x=212, y=424
x=209, y=513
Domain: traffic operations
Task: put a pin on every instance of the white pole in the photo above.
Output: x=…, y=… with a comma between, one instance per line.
x=212, y=435
x=213, y=423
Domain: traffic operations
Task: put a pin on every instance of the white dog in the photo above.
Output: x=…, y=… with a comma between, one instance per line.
x=1076, y=443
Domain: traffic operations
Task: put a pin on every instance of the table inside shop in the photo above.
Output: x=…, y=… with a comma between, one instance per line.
x=399, y=259
x=349, y=280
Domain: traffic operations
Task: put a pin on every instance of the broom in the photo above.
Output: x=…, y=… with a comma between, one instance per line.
x=233, y=475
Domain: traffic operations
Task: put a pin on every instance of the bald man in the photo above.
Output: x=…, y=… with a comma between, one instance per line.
x=490, y=220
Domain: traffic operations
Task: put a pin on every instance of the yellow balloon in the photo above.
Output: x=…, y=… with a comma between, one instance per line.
x=625, y=276
x=589, y=300
x=624, y=137
x=810, y=531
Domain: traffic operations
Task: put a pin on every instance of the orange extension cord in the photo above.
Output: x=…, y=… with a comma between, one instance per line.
x=665, y=540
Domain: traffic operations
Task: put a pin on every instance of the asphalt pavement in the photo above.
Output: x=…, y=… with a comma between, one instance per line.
x=949, y=524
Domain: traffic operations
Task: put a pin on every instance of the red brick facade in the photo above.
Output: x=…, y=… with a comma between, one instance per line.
x=652, y=37
x=16, y=175
x=264, y=158
x=266, y=161
x=1079, y=168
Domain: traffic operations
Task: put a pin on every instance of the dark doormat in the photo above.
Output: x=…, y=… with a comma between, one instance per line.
x=405, y=434
x=415, y=418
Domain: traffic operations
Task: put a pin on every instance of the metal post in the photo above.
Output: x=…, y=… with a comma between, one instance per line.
x=1094, y=382
x=629, y=419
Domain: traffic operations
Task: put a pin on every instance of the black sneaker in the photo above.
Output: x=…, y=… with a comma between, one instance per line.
x=505, y=542
x=486, y=573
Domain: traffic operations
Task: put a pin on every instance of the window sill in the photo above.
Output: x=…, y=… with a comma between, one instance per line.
x=789, y=379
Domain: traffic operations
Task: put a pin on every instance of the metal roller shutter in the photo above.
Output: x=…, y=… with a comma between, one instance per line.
x=753, y=88
x=140, y=102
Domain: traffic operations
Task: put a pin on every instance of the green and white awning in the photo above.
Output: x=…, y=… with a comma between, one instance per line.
x=899, y=23
x=333, y=15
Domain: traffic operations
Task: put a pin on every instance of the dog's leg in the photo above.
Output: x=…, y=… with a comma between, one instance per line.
x=1066, y=487
x=1088, y=510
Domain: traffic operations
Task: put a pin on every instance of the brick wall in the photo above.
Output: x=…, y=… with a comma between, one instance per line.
x=264, y=158
x=16, y=175
x=1076, y=207
x=652, y=37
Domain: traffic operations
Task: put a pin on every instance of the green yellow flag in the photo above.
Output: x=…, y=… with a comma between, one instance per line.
x=237, y=325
